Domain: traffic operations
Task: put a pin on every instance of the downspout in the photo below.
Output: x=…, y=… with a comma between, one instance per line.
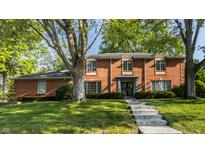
x=145, y=75
x=110, y=79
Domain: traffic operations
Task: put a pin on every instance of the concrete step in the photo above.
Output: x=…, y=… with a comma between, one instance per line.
x=147, y=116
x=158, y=130
x=151, y=122
x=135, y=107
x=145, y=111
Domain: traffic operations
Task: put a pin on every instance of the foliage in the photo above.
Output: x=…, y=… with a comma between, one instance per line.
x=19, y=47
x=92, y=117
x=200, y=75
x=92, y=96
x=200, y=88
x=36, y=98
x=158, y=94
x=153, y=36
x=185, y=115
x=178, y=90
x=9, y=97
x=64, y=92
x=112, y=95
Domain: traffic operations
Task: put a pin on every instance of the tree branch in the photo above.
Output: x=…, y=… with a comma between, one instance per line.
x=95, y=37
x=199, y=65
x=181, y=30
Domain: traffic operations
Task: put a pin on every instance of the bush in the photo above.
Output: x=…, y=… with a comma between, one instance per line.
x=159, y=94
x=146, y=95
x=200, y=75
x=92, y=96
x=9, y=97
x=64, y=92
x=36, y=98
x=178, y=90
x=112, y=95
x=165, y=94
x=200, y=88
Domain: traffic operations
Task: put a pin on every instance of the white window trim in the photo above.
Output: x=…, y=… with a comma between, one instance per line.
x=127, y=71
x=90, y=73
x=39, y=86
x=160, y=71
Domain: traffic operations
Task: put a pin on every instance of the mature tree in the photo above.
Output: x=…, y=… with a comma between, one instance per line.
x=69, y=38
x=19, y=49
x=152, y=36
x=189, y=30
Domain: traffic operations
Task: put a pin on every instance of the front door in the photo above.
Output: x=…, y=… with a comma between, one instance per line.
x=127, y=88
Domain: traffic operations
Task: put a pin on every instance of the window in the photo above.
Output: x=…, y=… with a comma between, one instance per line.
x=93, y=87
x=41, y=86
x=161, y=85
x=91, y=66
x=127, y=65
x=160, y=65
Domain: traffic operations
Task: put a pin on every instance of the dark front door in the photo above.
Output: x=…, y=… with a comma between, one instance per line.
x=127, y=88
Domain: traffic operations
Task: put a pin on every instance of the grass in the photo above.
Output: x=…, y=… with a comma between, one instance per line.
x=187, y=116
x=91, y=117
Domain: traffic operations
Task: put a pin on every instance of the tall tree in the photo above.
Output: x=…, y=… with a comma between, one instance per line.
x=189, y=30
x=69, y=38
x=152, y=36
x=19, y=49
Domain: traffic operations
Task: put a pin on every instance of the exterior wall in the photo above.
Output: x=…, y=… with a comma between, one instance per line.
x=101, y=74
x=174, y=72
x=30, y=87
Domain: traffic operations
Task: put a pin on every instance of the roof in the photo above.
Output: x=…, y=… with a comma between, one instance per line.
x=128, y=55
x=65, y=74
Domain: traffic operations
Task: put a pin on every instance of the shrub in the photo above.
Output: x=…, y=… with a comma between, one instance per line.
x=112, y=95
x=178, y=90
x=36, y=98
x=9, y=97
x=64, y=91
x=200, y=75
x=200, y=88
x=146, y=95
x=159, y=94
x=165, y=94
x=92, y=96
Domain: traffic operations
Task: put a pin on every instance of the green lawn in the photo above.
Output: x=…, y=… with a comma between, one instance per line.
x=93, y=116
x=185, y=115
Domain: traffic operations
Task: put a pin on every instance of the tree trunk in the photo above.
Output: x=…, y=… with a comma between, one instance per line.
x=5, y=83
x=78, y=89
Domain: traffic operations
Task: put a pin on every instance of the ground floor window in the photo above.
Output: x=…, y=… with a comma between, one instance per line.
x=41, y=86
x=161, y=85
x=93, y=87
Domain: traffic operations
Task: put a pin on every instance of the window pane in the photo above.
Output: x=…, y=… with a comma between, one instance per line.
x=41, y=86
x=160, y=65
x=91, y=66
x=127, y=65
x=161, y=85
x=93, y=87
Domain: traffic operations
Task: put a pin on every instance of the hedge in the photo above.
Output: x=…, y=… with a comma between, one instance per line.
x=111, y=95
x=159, y=94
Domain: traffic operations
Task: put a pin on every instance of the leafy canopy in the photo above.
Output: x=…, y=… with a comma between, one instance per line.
x=153, y=36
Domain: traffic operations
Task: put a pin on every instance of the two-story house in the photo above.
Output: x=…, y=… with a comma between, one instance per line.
x=132, y=72
x=111, y=72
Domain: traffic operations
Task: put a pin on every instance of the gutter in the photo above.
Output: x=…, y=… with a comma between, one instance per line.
x=110, y=72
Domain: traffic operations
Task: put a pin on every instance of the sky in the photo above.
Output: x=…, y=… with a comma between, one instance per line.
x=198, y=54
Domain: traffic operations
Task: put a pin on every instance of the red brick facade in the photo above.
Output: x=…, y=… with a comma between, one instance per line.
x=111, y=75
x=143, y=69
x=29, y=87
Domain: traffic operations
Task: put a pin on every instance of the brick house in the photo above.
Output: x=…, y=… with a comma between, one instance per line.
x=132, y=72
x=112, y=72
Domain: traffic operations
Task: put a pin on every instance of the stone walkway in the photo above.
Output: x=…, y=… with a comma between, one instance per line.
x=148, y=119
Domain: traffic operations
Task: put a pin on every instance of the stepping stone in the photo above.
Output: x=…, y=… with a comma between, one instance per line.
x=145, y=111
x=151, y=122
x=147, y=116
x=158, y=130
x=142, y=107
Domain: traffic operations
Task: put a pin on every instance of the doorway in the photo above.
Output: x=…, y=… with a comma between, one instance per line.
x=127, y=88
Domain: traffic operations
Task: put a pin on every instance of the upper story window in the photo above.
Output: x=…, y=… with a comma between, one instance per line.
x=91, y=66
x=160, y=65
x=41, y=86
x=127, y=65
